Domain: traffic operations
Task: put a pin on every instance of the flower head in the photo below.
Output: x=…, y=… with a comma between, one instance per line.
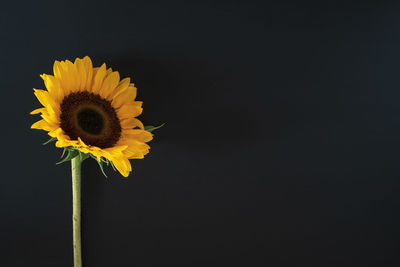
x=92, y=111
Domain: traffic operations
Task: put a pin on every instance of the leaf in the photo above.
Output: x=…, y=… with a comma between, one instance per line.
x=151, y=128
x=71, y=154
x=50, y=140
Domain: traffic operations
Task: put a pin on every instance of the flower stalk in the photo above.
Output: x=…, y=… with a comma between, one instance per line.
x=76, y=209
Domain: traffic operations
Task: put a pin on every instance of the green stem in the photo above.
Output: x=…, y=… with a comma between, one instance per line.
x=76, y=209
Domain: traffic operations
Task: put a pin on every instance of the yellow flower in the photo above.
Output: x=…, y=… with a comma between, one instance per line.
x=92, y=110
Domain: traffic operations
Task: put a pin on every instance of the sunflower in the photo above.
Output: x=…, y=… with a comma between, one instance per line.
x=90, y=110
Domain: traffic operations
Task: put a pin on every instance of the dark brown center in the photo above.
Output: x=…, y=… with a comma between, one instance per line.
x=90, y=117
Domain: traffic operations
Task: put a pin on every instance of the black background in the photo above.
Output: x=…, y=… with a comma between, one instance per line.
x=281, y=146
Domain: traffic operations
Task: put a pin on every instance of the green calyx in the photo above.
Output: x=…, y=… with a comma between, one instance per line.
x=71, y=152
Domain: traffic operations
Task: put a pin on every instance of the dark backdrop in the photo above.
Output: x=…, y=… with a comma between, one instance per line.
x=281, y=146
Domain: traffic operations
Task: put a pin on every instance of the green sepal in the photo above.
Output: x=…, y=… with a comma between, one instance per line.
x=50, y=140
x=104, y=160
x=71, y=154
x=101, y=167
x=112, y=165
x=151, y=128
x=100, y=163
x=83, y=156
x=63, y=153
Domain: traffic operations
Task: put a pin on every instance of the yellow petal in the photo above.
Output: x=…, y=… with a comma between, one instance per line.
x=59, y=133
x=81, y=74
x=131, y=123
x=123, y=84
x=61, y=77
x=135, y=149
x=129, y=110
x=65, y=77
x=66, y=143
x=53, y=86
x=123, y=166
x=50, y=118
x=136, y=134
x=74, y=76
x=115, y=151
x=109, y=85
x=37, y=111
x=81, y=143
x=89, y=72
x=48, y=102
x=42, y=125
x=126, y=96
x=99, y=78
x=56, y=69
